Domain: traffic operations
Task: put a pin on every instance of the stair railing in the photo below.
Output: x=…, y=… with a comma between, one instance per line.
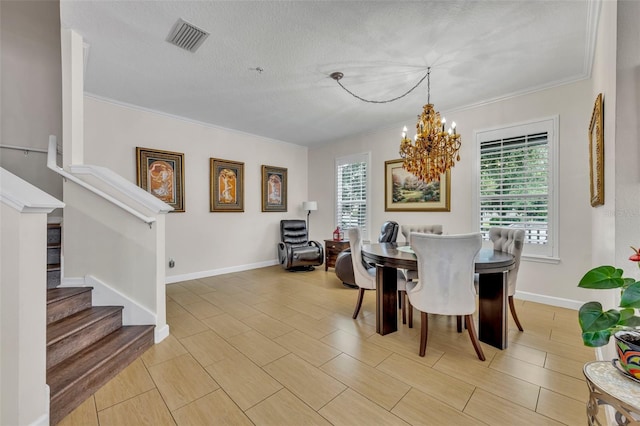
x=53, y=165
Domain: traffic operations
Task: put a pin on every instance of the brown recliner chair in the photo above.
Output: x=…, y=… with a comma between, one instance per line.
x=344, y=267
x=296, y=252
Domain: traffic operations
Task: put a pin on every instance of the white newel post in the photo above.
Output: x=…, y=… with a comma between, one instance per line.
x=24, y=394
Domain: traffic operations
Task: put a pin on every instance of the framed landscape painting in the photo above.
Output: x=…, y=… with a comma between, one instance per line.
x=161, y=174
x=405, y=192
x=226, y=185
x=274, y=189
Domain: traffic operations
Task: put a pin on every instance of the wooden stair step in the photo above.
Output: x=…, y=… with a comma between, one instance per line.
x=75, y=379
x=73, y=333
x=65, y=301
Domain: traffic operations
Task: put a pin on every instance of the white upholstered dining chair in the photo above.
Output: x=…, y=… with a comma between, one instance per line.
x=406, y=231
x=445, y=284
x=365, y=278
x=510, y=240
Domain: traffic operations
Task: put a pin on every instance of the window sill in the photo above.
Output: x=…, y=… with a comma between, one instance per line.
x=541, y=259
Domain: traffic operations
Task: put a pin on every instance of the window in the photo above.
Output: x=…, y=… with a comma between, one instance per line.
x=517, y=185
x=352, y=183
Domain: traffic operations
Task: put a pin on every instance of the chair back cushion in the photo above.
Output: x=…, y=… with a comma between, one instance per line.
x=388, y=232
x=423, y=229
x=363, y=277
x=294, y=232
x=510, y=240
x=445, y=270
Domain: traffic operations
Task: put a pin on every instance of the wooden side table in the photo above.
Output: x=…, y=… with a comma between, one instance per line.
x=331, y=251
x=609, y=386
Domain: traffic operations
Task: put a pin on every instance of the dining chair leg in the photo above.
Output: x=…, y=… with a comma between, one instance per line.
x=512, y=307
x=358, y=303
x=474, y=338
x=459, y=323
x=410, y=312
x=403, y=305
x=423, y=333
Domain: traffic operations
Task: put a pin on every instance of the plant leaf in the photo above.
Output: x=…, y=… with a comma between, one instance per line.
x=602, y=277
x=595, y=339
x=593, y=319
x=631, y=296
x=628, y=282
x=632, y=322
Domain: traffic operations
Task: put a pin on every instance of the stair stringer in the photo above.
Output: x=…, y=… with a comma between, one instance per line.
x=132, y=314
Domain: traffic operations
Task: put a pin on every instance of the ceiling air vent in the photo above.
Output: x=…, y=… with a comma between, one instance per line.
x=187, y=36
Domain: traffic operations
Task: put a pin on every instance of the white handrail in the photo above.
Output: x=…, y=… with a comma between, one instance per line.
x=25, y=149
x=53, y=165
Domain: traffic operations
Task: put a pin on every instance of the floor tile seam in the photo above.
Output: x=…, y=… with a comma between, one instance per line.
x=547, y=351
x=564, y=376
x=490, y=389
x=261, y=400
x=197, y=362
x=547, y=416
x=378, y=405
x=182, y=304
x=126, y=399
x=131, y=398
x=435, y=395
x=220, y=389
x=95, y=409
x=167, y=360
x=475, y=389
x=291, y=391
x=567, y=396
x=306, y=335
x=271, y=339
x=366, y=365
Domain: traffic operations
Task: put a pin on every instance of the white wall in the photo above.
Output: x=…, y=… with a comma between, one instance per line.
x=604, y=81
x=30, y=78
x=627, y=136
x=202, y=243
x=573, y=103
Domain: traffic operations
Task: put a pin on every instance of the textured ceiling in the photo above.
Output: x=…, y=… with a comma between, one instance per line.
x=478, y=51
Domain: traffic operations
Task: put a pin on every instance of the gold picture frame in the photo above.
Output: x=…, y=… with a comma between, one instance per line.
x=274, y=189
x=226, y=185
x=405, y=192
x=161, y=173
x=596, y=153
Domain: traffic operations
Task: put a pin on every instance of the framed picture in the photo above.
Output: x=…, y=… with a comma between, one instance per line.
x=226, y=185
x=596, y=154
x=405, y=192
x=274, y=189
x=161, y=173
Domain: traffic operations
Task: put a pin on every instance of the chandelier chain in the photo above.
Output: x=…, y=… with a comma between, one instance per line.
x=384, y=101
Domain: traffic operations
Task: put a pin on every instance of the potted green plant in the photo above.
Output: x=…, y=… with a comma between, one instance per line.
x=598, y=325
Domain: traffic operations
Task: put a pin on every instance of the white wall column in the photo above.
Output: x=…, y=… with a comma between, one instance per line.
x=24, y=394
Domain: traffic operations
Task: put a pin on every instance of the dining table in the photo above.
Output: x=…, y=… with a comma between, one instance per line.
x=491, y=265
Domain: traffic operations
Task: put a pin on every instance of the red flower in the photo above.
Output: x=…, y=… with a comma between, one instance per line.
x=635, y=257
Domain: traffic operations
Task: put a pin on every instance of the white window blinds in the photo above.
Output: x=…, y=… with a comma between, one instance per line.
x=516, y=183
x=352, y=174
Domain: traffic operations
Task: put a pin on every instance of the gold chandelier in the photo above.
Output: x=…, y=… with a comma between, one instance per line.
x=433, y=150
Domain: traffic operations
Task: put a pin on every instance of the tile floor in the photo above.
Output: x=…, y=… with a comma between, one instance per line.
x=271, y=347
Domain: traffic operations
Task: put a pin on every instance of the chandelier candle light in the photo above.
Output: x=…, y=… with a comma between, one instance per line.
x=433, y=150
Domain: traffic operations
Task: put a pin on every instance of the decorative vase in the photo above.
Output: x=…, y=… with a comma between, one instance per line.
x=628, y=348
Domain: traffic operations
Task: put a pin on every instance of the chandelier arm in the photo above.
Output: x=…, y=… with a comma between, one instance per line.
x=385, y=101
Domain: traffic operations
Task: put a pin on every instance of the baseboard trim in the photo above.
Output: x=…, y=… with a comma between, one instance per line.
x=213, y=272
x=43, y=420
x=160, y=333
x=133, y=312
x=549, y=300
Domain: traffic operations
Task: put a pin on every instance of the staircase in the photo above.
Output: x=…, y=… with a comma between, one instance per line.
x=54, y=247
x=86, y=347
